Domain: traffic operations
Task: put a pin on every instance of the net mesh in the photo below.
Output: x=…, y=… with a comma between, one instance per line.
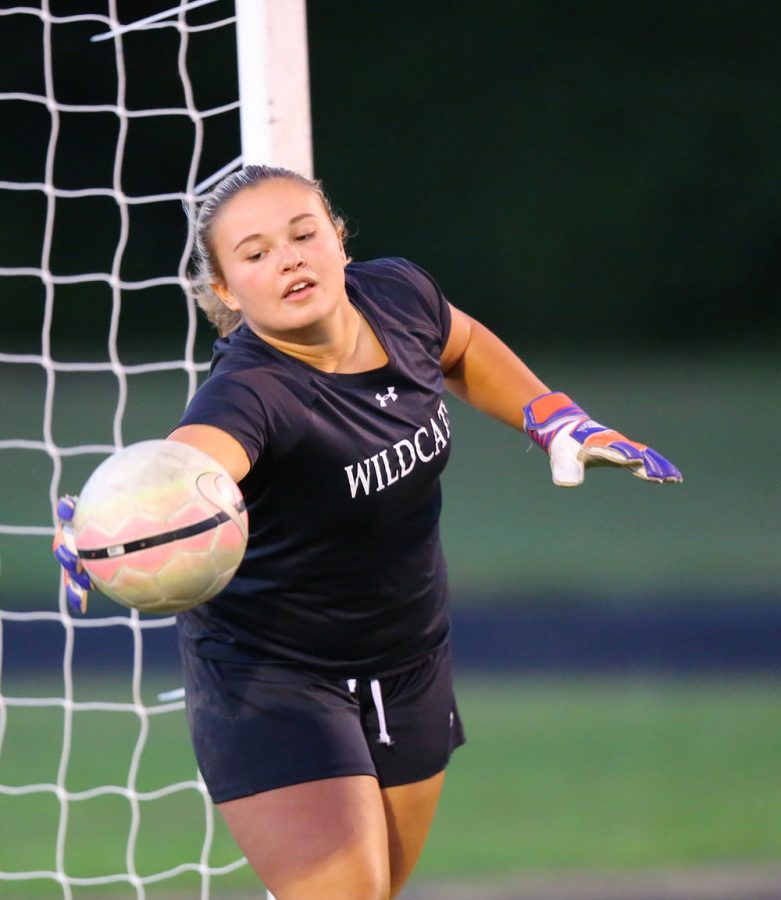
x=117, y=124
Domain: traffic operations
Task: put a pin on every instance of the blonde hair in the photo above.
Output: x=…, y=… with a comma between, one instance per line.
x=205, y=267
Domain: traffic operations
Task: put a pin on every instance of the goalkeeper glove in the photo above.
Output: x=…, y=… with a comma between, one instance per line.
x=574, y=441
x=77, y=582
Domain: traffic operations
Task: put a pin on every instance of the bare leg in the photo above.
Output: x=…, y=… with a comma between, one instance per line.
x=409, y=812
x=326, y=839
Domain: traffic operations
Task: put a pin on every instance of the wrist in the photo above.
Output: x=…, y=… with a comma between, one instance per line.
x=547, y=414
x=540, y=410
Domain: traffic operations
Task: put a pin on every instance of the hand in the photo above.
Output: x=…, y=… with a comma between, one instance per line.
x=77, y=582
x=574, y=441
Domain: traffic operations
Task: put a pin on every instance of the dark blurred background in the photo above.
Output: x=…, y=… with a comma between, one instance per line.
x=600, y=170
x=599, y=182
x=568, y=170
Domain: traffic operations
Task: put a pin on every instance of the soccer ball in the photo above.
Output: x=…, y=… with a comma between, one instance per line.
x=160, y=526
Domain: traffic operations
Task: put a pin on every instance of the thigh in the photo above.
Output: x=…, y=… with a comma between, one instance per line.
x=326, y=839
x=261, y=727
x=409, y=812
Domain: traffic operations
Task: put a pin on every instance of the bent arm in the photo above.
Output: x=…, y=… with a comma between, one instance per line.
x=218, y=444
x=482, y=370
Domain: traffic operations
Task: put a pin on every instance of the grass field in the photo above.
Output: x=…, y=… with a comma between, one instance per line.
x=558, y=774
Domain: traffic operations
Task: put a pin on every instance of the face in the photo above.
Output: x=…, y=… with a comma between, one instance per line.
x=281, y=260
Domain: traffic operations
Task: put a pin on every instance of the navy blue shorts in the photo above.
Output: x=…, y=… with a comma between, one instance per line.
x=259, y=727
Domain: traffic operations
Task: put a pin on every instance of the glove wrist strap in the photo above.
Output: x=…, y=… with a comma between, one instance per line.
x=540, y=410
x=545, y=416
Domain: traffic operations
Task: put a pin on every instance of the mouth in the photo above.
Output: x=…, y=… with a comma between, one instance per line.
x=302, y=287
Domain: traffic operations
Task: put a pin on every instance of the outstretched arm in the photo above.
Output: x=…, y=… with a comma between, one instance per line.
x=484, y=372
x=218, y=444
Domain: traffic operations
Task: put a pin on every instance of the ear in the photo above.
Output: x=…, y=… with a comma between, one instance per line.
x=341, y=235
x=221, y=290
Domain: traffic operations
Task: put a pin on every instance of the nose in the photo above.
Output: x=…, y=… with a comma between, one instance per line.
x=291, y=258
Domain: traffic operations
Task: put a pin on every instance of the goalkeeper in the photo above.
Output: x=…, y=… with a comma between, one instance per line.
x=318, y=684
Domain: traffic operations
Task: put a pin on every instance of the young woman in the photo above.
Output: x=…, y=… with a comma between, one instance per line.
x=318, y=683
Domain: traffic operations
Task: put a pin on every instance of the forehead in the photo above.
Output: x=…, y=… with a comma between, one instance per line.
x=267, y=207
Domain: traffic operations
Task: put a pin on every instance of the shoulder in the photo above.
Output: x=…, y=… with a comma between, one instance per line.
x=403, y=291
x=253, y=393
x=245, y=360
x=251, y=390
x=391, y=271
x=239, y=351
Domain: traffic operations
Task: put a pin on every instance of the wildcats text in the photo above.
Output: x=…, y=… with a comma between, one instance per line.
x=387, y=466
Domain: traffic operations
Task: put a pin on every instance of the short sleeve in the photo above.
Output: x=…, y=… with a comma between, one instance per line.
x=434, y=306
x=234, y=404
x=408, y=295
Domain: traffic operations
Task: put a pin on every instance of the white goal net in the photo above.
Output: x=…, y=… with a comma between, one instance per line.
x=117, y=114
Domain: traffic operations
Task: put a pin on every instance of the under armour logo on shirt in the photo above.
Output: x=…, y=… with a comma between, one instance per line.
x=382, y=399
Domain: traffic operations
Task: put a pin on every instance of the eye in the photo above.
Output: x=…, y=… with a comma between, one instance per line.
x=304, y=237
x=256, y=256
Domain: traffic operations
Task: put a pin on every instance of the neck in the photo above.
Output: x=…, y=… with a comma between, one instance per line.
x=333, y=345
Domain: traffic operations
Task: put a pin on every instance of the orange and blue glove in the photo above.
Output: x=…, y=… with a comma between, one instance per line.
x=573, y=441
x=77, y=582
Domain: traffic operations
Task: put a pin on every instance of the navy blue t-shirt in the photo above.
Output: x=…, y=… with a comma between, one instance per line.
x=344, y=567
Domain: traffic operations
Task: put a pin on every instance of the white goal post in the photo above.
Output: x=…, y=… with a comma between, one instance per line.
x=276, y=124
x=100, y=234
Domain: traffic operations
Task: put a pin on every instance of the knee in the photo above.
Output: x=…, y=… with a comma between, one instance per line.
x=356, y=888
x=364, y=879
x=370, y=881
x=377, y=887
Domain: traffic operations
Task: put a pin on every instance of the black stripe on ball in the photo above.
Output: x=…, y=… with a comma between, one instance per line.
x=165, y=537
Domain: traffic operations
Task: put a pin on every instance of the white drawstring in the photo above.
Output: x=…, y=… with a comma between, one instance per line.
x=374, y=684
x=384, y=738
